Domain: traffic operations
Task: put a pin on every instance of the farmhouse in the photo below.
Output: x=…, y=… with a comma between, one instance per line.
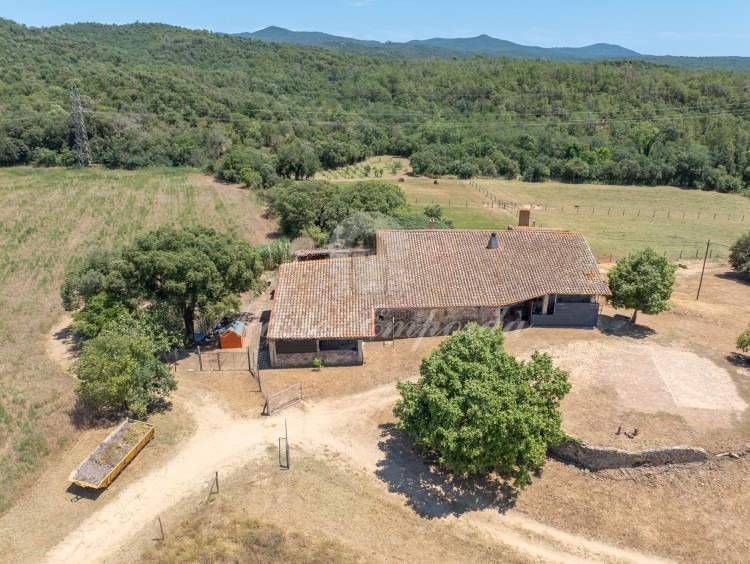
x=430, y=282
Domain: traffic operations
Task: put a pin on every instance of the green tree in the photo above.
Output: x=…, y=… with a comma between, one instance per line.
x=643, y=282
x=359, y=228
x=99, y=272
x=481, y=409
x=434, y=211
x=249, y=166
x=743, y=341
x=119, y=370
x=99, y=312
x=191, y=270
x=739, y=254
x=297, y=160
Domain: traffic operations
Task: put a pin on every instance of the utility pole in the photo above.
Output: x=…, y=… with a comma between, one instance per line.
x=82, y=138
x=705, y=258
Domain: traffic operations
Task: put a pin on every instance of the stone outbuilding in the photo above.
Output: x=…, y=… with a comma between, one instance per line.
x=427, y=283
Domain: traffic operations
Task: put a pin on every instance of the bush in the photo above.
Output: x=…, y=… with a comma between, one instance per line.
x=274, y=254
x=739, y=254
x=743, y=341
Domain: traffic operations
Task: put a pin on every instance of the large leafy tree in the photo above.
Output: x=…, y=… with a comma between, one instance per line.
x=643, y=282
x=739, y=254
x=314, y=203
x=118, y=370
x=483, y=410
x=297, y=160
x=191, y=269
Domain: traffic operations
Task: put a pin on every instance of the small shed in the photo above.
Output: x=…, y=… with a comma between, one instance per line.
x=233, y=336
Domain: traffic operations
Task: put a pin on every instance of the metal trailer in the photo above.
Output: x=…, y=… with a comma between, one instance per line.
x=79, y=480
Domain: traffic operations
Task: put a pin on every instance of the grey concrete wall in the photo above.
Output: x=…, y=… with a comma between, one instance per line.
x=569, y=315
x=412, y=323
x=606, y=458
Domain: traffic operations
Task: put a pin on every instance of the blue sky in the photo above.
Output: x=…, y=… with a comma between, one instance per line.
x=658, y=27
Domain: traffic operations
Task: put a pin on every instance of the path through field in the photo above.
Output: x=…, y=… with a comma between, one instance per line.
x=225, y=443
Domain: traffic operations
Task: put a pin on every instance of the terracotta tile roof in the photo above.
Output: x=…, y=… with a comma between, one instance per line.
x=337, y=297
x=325, y=299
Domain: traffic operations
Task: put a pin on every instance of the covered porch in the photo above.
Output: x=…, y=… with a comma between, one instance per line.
x=300, y=353
x=565, y=310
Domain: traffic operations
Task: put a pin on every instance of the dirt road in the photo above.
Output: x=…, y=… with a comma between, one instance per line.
x=225, y=443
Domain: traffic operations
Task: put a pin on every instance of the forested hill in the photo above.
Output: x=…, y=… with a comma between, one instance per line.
x=161, y=95
x=487, y=46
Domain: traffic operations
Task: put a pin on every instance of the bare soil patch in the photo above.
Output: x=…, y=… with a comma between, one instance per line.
x=384, y=362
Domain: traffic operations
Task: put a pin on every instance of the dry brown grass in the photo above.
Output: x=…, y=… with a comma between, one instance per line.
x=48, y=217
x=219, y=533
x=351, y=512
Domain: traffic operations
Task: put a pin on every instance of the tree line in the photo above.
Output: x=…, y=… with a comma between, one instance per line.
x=161, y=95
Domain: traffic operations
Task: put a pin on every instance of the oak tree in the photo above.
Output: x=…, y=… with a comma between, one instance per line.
x=481, y=410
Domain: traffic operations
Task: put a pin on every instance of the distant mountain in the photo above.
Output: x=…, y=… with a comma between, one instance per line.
x=484, y=45
x=599, y=51
x=281, y=35
x=443, y=47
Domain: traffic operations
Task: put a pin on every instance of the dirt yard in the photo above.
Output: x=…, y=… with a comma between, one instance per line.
x=356, y=479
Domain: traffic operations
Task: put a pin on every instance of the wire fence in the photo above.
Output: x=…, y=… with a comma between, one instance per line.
x=226, y=360
x=645, y=212
x=672, y=254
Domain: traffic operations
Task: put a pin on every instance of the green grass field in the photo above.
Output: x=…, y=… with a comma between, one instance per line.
x=48, y=217
x=616, y=220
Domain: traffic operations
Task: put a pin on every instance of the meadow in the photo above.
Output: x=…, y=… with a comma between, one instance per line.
x=49, y=217
x=616, y=220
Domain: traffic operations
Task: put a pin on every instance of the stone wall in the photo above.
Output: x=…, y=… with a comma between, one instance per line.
x=329, y=358
x=606, y=458
x=412, y=323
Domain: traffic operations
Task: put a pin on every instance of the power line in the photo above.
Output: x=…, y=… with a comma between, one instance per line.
x=82, y=137
x=478, y=125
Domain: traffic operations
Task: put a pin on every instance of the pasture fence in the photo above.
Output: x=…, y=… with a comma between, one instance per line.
x=646, y=213
x=283, y=399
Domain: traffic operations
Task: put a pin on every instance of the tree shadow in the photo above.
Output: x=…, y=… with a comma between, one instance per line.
x=84, y=416
x=616, y=326
x=431, y=491
x=738, y=359
x=73, y=341
x=734, y=276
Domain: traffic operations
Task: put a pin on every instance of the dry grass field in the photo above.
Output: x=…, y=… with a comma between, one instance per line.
x=47, y=218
